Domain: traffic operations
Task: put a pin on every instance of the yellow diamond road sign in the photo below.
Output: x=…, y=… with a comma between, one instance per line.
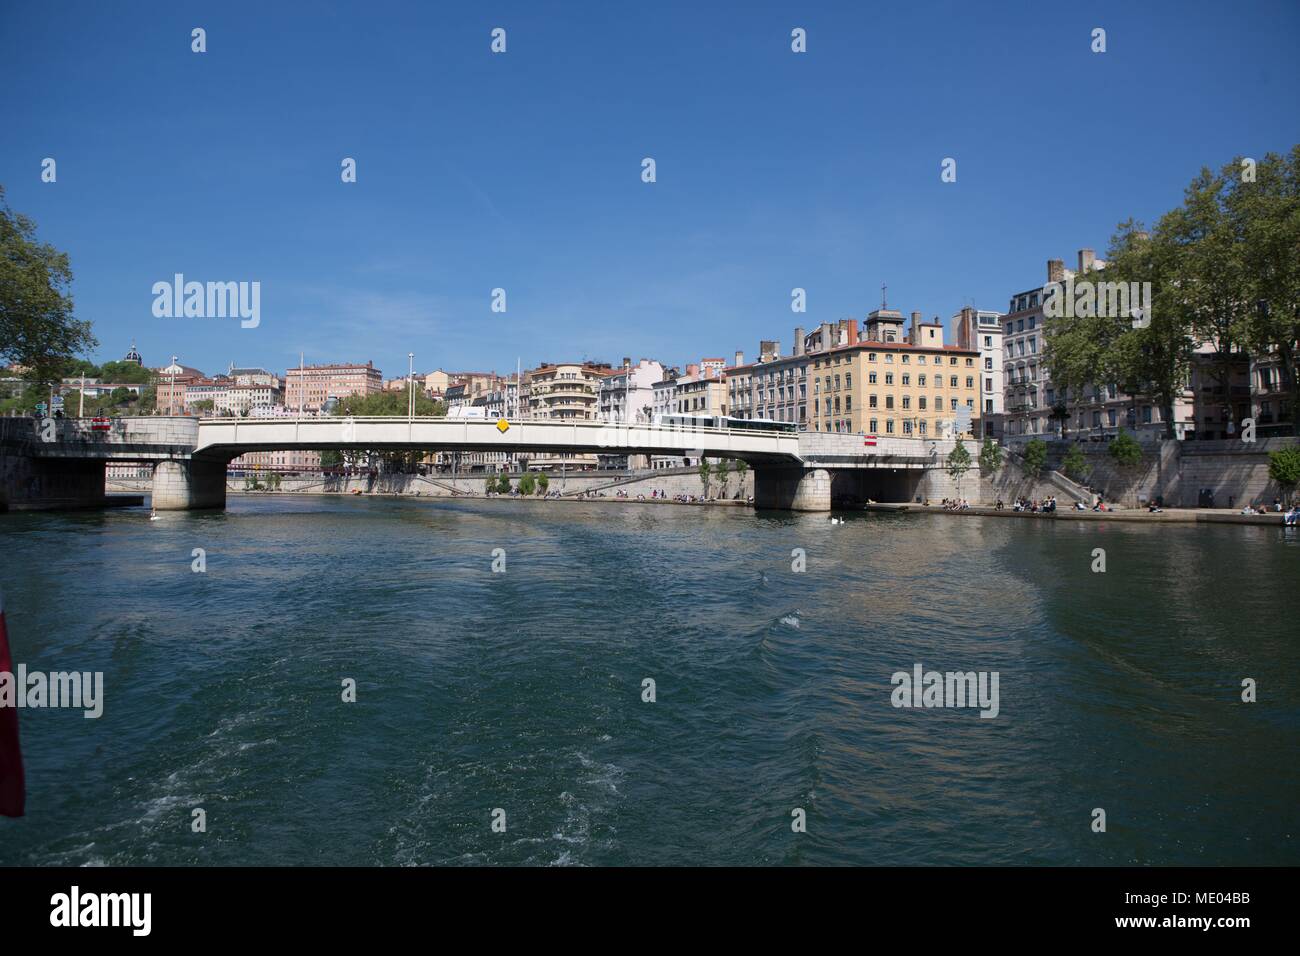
x=502, y=425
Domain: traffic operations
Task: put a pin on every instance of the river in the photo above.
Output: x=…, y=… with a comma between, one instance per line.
x=522, y=691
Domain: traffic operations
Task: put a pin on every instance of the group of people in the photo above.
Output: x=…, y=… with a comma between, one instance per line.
x=1290, y=517
x=955, y=504
x=1040, y=506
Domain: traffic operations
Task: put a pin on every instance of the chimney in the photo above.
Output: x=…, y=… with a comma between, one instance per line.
x=1086, y=259
x=798, y=340
x=740, y=358
x=853, y=331
x=692, y=369
x=916, y=318
x=826, y=340
x=1055, y=270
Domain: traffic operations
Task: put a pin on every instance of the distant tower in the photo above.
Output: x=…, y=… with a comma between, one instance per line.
x=133, y=355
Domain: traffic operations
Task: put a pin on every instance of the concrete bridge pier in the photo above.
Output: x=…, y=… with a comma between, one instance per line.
x=181, y=484
x=792, y=489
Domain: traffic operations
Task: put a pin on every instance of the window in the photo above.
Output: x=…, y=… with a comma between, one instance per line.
x=889, y=378
x=871, y=401
x=874, y=423
x=889, y=426
x=848, y=379
x=921, y=403
x=848, y=403
x=970, y=381
x=952, y=381
x=871, y=378
x=920, y=381
x=889, y=357
x=907, y=426
x=954, y=404
x=988, y=364
x=906, y=358
x=907, y=379
x=889, y=402
x=970, y=363
x=871, y=356
x=988, y=341
x=988, y=385
x=907, y=401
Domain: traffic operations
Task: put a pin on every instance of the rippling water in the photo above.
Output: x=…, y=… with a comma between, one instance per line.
x=523, y=690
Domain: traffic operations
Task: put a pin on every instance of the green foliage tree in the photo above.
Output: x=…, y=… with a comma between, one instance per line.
x=704, y=475
x=723, y=475
x=543, y=483
x=958, y=463
x=990, y=456
x=1125, y=450
x=1035, y=456
x=37, y=326
x=1075, y=464
x=1284, y=468
x=128, y=373
x=527, y=483
x=503, y=483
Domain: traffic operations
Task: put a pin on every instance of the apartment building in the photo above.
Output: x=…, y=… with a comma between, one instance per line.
x=1033, y=407
x=916, y=386
x=626, y=394
x=981, y=330
x=566, y=391
x=310, y=388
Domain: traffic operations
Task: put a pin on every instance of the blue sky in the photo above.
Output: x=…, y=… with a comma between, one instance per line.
x=523, y=170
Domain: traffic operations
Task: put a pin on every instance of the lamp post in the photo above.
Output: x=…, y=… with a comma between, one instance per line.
x=171, y=389
x=410, y=386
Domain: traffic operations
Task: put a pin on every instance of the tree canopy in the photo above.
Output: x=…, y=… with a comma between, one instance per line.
x=1224, y=270
x=37, y=326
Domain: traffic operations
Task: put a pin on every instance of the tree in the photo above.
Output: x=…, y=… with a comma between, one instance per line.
x=958, y=463
x=37, y=327
x=527, y=483
x=1125, y=450
x=723, y=476
x=503, y=483
x=1284, y=468
x=990, y=456
x=126, y=372
x=1035, y=456
x=1075, y=464
x=543, y=483
x=704, y=475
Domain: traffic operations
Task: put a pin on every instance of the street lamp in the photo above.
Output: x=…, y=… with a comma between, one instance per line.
x=410, y=385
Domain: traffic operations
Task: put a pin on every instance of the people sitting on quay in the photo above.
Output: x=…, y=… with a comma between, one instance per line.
x=1292, y=517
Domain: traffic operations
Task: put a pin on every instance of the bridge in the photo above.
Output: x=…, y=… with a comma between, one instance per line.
x=189, y=456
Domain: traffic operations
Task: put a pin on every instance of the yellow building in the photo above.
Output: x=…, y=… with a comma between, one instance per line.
x=914, y=387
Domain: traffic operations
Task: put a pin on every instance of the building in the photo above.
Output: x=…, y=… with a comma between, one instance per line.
x=311, y=387
x=563, y=392
x=981, y=330
x=916, y=386
x=173, y=380
x=569, y=391
x=626, y=394
x=133, y=356
x=1034, y=407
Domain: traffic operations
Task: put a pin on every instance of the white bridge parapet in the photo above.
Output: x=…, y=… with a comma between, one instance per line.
x=236, y=436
